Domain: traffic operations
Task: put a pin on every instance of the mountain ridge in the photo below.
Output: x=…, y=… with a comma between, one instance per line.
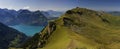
x=79, y=28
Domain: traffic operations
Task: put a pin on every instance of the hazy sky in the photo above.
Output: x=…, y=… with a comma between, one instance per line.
x=61, y=5
x=106, y=5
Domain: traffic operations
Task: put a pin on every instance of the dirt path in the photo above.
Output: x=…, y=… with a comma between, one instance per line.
x=71, y=45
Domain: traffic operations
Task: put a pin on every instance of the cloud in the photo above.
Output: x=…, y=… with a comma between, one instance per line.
x=26, y=7
x=10, y=7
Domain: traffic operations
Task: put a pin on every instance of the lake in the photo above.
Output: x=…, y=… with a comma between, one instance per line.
x=27, y=29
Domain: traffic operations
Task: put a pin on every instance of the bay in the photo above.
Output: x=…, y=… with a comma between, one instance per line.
x=28, y=29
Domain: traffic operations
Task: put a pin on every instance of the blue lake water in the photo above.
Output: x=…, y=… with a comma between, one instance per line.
x=28, y=30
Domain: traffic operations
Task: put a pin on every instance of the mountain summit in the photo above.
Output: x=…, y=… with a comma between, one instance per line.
x=79, y=28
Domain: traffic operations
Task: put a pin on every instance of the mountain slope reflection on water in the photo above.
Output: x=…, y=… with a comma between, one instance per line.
x=27, y=29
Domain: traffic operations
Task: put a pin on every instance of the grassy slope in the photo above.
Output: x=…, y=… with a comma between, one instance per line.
x=62, y=38
x=87, y=30
x=96, y=34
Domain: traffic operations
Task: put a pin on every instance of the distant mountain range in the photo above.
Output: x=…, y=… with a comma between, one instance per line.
x=51, y=15
x=27, y=17
x=115, y=13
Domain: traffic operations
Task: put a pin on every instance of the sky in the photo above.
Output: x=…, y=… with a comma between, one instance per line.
x=61, y=5
x=58, y=5
x=104, y=5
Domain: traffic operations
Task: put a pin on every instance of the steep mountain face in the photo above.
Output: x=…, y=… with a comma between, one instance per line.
x=31, y=18
x=10, y=37
x=79, y=28
x=7, y=17
x=23, y=16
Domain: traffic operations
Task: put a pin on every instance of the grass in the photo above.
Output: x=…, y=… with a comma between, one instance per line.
x=84, y=29
x=94, y=34
x=57, y=39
